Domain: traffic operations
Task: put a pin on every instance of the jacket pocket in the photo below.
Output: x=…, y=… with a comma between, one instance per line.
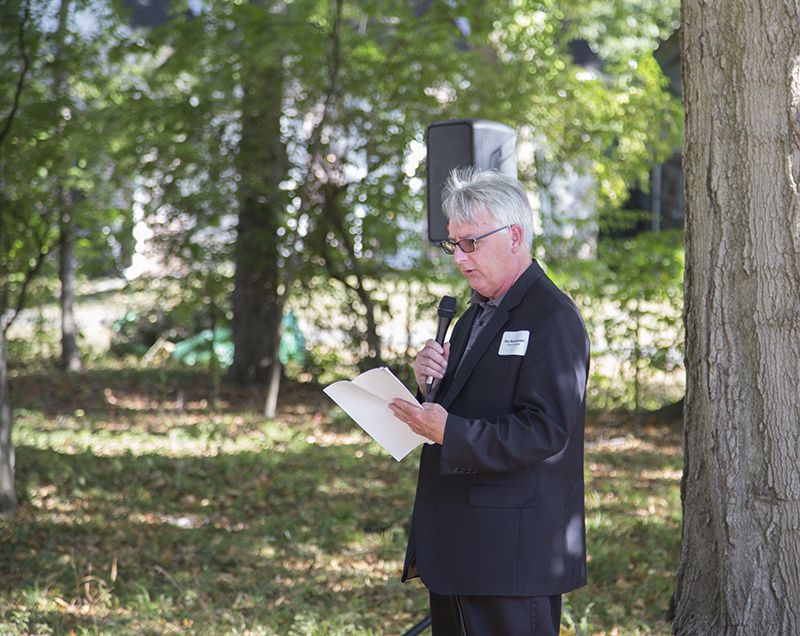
x=503, y=496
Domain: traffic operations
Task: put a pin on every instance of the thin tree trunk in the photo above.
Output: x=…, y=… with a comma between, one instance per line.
x=70, y=358
x=273, y=385
x=738, y=573
x=8, y=497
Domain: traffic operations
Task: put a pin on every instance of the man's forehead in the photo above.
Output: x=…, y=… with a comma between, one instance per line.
x=462, y=228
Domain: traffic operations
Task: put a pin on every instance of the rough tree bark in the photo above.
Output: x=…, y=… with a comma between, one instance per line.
x=738, y=573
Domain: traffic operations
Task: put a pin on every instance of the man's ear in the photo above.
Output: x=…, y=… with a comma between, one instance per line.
x=516, y=238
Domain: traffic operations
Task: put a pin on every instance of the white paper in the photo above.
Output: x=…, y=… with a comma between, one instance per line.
x=366, y=399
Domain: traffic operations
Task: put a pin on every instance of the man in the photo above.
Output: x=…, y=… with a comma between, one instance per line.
x=497, y=532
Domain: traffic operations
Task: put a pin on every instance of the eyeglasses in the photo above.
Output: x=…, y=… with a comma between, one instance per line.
x=467, y=245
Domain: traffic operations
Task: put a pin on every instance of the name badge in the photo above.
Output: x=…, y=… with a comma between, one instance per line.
x=515, y=343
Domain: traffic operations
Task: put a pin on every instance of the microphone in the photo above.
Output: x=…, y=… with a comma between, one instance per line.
x=447, y=310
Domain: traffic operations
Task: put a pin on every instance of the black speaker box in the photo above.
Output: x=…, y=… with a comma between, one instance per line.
x=483, y=144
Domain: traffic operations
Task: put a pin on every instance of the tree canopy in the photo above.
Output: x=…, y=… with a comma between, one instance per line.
x=155, y=119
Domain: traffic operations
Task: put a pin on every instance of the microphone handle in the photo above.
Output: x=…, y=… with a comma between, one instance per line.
x=441, y=331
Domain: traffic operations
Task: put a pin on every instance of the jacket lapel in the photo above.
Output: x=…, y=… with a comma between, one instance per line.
x=457, y=347
x=450, y=389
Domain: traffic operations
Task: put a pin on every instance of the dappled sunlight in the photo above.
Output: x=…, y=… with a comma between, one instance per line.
x=139, y=402
x=633, y=474
x=347, y=570
x=286, y=522
x=673, y=475
x=352, y=437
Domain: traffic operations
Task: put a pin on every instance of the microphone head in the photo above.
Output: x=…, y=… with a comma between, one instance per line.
x=447, y=307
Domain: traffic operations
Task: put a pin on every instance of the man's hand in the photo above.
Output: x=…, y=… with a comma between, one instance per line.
x=431, y=362
x=427, y=420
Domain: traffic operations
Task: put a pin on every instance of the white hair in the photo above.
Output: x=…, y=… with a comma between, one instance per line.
x=471, y=195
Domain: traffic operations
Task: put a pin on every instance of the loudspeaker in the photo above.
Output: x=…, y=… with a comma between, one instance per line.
x=483, y=144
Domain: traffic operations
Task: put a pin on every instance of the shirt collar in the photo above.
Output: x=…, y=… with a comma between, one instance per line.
x=476, y=297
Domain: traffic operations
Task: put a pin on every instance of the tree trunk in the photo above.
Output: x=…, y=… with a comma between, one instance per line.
x=8, y=497
x=70, y=358
x=738, y=573
x=259, y=290
x=273, y=385
x=372, y=357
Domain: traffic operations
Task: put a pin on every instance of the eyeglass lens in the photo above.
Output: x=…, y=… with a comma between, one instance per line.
x=467, y=245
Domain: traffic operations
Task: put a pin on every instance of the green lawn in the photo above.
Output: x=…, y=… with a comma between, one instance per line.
x=145, y=511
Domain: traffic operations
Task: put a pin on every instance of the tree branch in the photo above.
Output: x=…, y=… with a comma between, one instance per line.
x=23, y=53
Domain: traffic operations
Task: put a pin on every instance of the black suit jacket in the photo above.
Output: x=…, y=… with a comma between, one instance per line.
x=499, y=508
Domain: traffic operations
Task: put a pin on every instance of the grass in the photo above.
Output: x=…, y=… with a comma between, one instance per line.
x=145, y=511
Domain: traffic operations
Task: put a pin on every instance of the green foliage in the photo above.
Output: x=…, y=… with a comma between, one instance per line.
x=180, y=115
x=143, y=514
x=633, y=523
x=631, y=296
x=354, y=206
x=135, y=332
x=169, y=309
x=55, y=154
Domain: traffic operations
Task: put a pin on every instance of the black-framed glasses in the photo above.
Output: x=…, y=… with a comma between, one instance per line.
x=467, y=245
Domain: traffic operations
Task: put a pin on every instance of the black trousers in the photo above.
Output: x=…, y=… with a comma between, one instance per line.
x=495, y=615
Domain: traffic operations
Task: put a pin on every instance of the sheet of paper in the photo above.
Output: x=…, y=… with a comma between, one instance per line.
x=366, y=399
